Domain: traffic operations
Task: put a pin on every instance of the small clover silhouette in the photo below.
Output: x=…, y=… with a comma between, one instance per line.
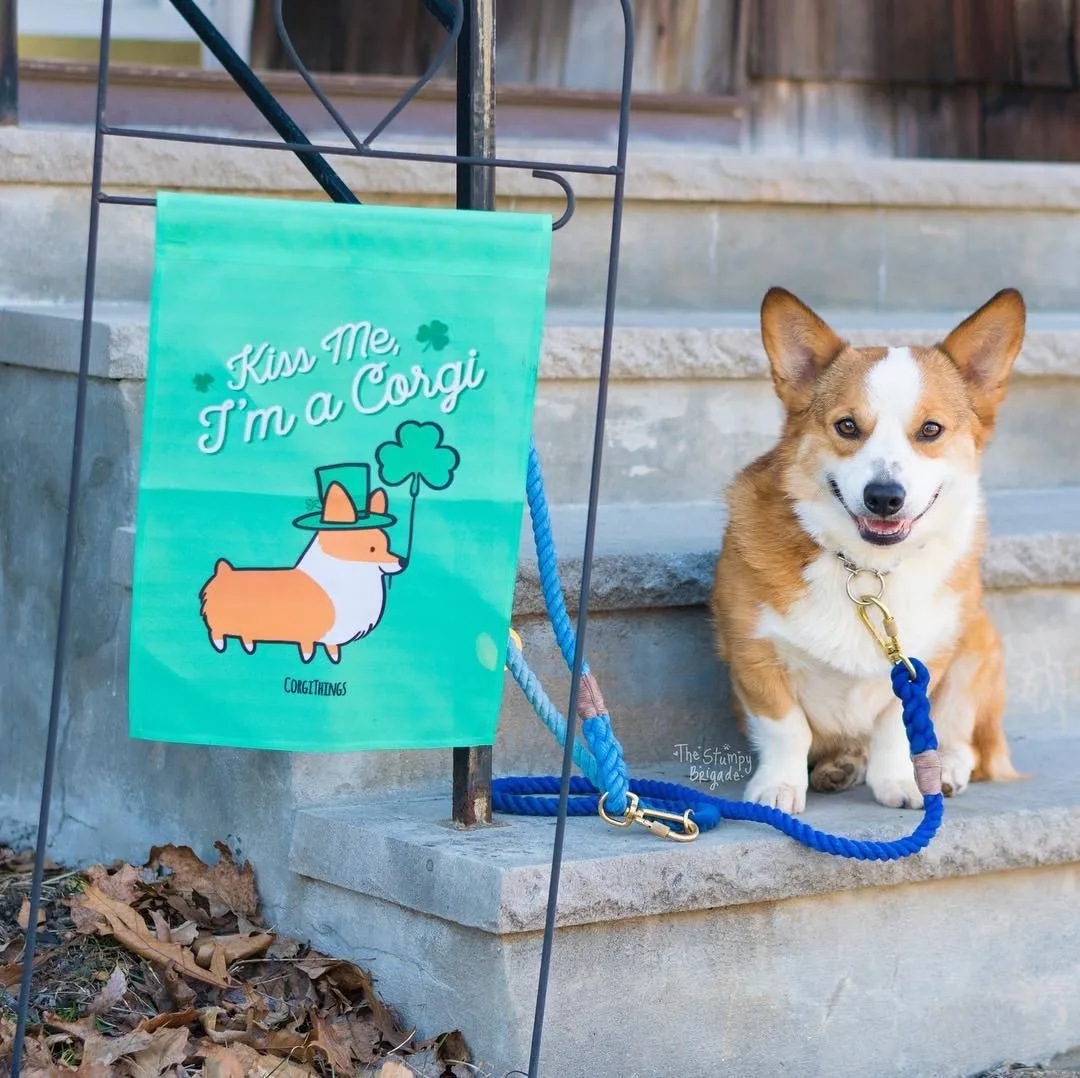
x=203, y=382
x=435, y=335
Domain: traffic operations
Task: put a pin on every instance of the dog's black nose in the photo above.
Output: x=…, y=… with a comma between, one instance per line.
x=884, y=499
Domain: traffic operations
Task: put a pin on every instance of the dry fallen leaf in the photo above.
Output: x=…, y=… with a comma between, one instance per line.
x=22, y=918
x=226, y=1065
x=110, y=995
x=449, y=1047
x=184, y=934
x=162, y=931
x=283, y=948
x=119, y=885
x=252, y=1063
x=168, y=1048
x=107, y=1050
x=10, y=975
x=227, y=886
x=130, y=929
x=86, y=919
x=178, y=990
x=352, y=980
x=22, y=863
x=172, y=1020
x=81, y=1028
x=337, y=1055
x=232, y=948
x=358, y=1033
x=393, y=1069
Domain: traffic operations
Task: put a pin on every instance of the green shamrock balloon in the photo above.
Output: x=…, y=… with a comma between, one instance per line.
x=203, y=382
x=417, y=453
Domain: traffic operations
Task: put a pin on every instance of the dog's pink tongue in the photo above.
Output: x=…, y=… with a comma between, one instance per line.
x=883, y=527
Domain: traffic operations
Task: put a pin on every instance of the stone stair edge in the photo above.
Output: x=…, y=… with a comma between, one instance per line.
x=61, y=157
x=646, y=345
x=495, y=879
x=1034, y=542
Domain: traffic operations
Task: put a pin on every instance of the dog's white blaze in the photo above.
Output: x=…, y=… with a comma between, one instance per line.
x=893, y=388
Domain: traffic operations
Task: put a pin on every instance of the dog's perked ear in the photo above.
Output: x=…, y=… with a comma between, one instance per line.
x=984, y=347
x=799, y=346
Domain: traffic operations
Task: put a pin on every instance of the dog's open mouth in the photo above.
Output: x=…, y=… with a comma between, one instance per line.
x=881, y=531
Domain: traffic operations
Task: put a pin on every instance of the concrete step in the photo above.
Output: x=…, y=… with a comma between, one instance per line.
x=650, y=641
x=690, y=402
x=650, y=644
x=703, y=230
x=741, y=953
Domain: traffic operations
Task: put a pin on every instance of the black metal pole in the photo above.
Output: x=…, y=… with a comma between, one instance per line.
x=67, y=572
x=590, y=537
x=475, y=191
x=9, y=63
x=262, y=99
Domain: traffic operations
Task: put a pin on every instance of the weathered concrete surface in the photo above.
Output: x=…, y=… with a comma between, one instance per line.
x=403, y=851
x=758, y=989
x=689, y=405
x=655, y=346
x=49, y=156
x=700, y=228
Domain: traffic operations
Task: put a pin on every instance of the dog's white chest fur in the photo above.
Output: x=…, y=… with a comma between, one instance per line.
x=356, y=590
x=836, y=669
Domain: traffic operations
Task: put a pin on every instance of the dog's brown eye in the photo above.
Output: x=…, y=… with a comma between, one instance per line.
x=372, y=550
x=929, y=431
x=846, y=427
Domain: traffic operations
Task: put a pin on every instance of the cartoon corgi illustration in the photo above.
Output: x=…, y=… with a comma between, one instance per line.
x=336, y=591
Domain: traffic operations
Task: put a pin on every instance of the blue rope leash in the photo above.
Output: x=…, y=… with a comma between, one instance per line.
x=600, y=757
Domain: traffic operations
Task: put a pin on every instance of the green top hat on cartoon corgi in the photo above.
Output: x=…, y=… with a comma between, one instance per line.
x=345, y=494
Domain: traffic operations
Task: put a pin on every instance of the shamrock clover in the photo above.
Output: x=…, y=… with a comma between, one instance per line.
x=418, y=454
x=435, y=335
x=203, y=382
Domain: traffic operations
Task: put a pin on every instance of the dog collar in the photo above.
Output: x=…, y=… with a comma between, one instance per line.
x=855, y=569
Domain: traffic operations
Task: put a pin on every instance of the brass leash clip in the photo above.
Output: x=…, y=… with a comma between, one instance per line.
x=888, y=637
x=652, y=820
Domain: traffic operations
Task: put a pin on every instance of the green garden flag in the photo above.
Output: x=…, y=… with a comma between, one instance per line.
x=338, y=409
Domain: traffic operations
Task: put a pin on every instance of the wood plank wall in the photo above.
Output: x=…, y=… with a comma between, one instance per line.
x=682, y=46
x=928, y=78
x=912, y=78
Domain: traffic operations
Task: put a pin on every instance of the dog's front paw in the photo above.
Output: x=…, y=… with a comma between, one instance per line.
x=957, y=763
x=781, y=792
x=893, y=791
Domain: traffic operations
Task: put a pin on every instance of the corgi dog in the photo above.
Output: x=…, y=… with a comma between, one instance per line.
x=334, y=594
x=875, y=484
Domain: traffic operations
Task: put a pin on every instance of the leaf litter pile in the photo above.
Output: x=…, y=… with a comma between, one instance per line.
x=168, y=969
